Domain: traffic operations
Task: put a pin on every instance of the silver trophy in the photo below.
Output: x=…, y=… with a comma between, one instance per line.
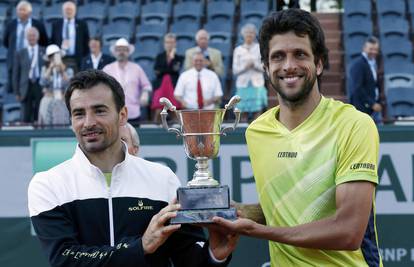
x=203, y=197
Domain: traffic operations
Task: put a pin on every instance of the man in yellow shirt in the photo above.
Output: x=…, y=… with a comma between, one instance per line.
x=314, y=159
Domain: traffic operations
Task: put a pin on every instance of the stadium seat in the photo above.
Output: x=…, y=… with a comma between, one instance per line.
x=357, y=9
x=392, y=27
x=357, y=25
x=106, y=2
x=147, y=64
x=127, y=11
x=391, y=9
x=188, y=12
x=400, y=102
x=398, y=66
x=395, y=80
x=156, y=12
x=52, y=13
x=220, y=11
x=11, y=112
x=153, y=42
x=151, y=29
x=113, y=31
x=184, y=28
x=397, y=50
x=94, y=28
x=255, y=10
x=184, y=43
x=219, y=31
x=93, y=11
x=3, y=13
x=225, y=48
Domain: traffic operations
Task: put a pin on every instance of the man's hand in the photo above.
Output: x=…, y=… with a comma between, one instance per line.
x=376, y=107
x=240, y=226
x=221, y=241
x=18, y=98
x=157, y=231
x=144, y=99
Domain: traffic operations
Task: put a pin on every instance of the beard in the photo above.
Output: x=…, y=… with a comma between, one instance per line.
x=298, y=97
x=98, y=145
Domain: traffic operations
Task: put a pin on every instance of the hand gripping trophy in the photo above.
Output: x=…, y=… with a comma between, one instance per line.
x=203, y=197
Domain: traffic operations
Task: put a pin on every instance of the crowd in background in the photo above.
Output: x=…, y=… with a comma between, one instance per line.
x=40, y=66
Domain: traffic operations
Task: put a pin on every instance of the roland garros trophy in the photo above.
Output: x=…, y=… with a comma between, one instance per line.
x=203, y=197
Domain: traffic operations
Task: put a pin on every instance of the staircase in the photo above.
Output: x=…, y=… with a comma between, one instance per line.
x=332, y=83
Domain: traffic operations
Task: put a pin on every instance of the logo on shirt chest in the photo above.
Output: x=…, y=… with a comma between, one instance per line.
x=287, y=154
x=140, y=207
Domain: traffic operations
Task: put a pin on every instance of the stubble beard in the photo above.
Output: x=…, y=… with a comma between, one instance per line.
x=298, y=98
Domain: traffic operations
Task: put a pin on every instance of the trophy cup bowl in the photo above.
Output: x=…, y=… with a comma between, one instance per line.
x=203, y=197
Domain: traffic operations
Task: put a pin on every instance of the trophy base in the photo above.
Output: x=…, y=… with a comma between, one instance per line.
x=203, y=216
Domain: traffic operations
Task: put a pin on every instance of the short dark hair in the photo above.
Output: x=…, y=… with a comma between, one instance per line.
x=372, y=40
x=299, y=21
x=87, y=79
x=96, y=38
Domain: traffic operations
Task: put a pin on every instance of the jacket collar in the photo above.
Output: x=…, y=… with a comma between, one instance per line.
x=83, y=163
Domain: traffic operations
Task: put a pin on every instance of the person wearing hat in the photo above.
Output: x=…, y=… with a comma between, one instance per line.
x=132, y=78
x=54, y=79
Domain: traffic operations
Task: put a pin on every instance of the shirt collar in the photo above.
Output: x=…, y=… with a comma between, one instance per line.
x=370, y=61
x=29, y=21
x=85, y=165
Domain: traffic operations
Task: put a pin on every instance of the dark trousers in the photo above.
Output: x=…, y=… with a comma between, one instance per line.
x=30, y=104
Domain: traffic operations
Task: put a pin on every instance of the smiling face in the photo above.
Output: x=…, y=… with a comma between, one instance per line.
x=95, y=119
x=292, y=69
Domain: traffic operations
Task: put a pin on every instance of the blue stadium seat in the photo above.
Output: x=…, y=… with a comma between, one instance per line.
x=219, y=31
x=127, y=11
x=400, y=102
x=128, y=1
x=391, y=9
x=255, y=10
x=357, y=25
x=147, y=64
x=51, y=13
x=392, y=27
x=395, y=80
x=357, y=9
x=94, y=28
x=188, y=12
x=92, y=11
x=106, y=2
x=225, y=48
x=184, y=28
x=398, y=66
x=148, y=44
x=152, y=29
x=397, y=50
x=156, y=12
x=3, y=13
x=11, y=112
x=184, y=42
x=113, y=31
x=220, y=11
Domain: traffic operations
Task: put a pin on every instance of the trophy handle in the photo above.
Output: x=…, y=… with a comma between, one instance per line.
x=232, y=105
x=164, y=113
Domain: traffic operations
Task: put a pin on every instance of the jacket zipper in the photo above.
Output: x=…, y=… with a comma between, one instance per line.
x=111, y=219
